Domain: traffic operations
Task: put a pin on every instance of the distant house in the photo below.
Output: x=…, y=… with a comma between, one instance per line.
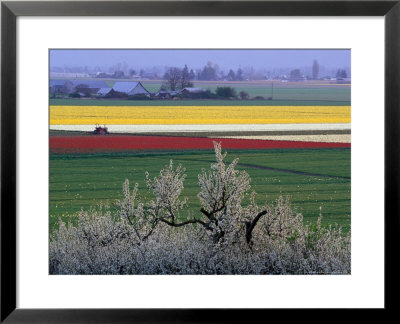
x=61, y=86
x=192, y=90
x=343, y=80
x=165, y=94
x=298, y=79
x=103, y=91
x=102, y=75
x=135, y=77
x=89, y=86
x=130, y=88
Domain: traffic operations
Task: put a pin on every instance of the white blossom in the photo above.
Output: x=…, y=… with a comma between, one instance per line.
x=160, y=236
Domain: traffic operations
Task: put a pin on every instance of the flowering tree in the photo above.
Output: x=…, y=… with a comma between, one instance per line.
x=160, y=236
x=222, y=190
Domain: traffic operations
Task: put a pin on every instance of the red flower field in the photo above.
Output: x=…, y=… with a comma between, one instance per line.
x=88, y=144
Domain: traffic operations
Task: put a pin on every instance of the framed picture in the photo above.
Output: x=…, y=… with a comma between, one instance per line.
x=304, y=94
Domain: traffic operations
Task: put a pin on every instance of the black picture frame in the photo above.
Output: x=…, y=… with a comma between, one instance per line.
x=10, y=10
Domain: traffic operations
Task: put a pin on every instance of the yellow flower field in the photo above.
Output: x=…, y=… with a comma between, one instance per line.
x=175, y=115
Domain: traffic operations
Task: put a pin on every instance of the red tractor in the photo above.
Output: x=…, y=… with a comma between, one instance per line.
x=100, y=130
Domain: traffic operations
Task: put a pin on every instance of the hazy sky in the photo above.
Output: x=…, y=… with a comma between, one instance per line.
x=198, y=58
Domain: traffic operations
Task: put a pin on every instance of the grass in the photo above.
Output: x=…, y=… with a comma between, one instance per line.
x=292, y=91
x=84, y=181
x=284, y=94
x=196, y=102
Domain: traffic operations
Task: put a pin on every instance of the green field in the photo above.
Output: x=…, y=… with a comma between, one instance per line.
x=84, y=181
x=281, y=91
x=188, y=102
x=284, y=94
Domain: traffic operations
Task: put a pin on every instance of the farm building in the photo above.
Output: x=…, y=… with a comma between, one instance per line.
x=102, y=75
x=192, y=90
x=61, y=86
x=298, y=78
x=165, y=94
x=89, y=86
x=343, y=80
x=83, y=86
x=103, y=91
x=130, y=88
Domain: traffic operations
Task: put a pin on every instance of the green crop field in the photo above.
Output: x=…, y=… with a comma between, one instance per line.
x=281, y=91
x=313, y=178
x=289, y=92
x=284, y=94
x=194, y=102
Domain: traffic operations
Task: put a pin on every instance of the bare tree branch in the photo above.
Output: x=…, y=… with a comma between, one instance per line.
x=250, y=225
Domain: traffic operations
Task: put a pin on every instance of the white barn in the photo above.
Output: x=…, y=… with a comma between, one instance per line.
x=130, y=88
